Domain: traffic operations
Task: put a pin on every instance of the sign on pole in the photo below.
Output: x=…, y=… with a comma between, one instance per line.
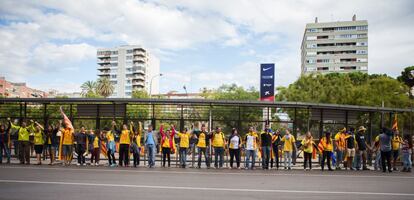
x=267, y=82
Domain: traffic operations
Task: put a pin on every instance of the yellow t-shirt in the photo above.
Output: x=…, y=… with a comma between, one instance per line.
x=396, y=141
x=38, y=138
x=67, y=134
x=125, y=137
x=49, y=141
x=218, y=140
x=184, y=140
x=307, y=145
x=96, y=142
x=326, y=146
x=340, y=138
x=202, y=140
x=110, y=136
x=138, y=140
x=166, y=143
x=288, y=146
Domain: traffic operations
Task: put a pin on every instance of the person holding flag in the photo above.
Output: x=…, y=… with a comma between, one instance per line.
x=66, y=140
x=276, y=139
x=167, y=145
x=288, y=147
x=23, y=132
x=327, y=147
x=219, y=144
x=307, y=145
x=124, y=142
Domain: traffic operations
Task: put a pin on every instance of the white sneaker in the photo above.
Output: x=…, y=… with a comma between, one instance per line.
x=92, y=164
x=78, y=164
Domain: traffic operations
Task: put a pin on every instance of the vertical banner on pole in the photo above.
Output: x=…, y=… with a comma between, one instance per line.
x=267, y=82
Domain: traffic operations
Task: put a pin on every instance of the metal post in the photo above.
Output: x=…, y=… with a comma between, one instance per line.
x=295, y=123
x=308, y=122
x=45, y=117
x=321, y=125
x=25, y=110
x=182, y=119
x=346, y=119
x=153, y=117
x=98, y=119
x=391, y=120
x=125, y=114
x=370, y=127
x=71, y=115
x=239, y=120
x=21, y=114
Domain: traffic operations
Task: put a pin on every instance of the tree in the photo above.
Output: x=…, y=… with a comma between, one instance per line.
x=105, y=87
x=407, y=77
x=88, y=87
x=139, y=94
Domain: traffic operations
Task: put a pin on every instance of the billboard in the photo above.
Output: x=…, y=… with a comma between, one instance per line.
x=267, y=82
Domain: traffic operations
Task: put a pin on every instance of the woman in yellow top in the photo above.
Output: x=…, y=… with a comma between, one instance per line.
x=124, y=142
x=396, y=144
x=38, y=142
x=67, y=138
x=184, y=144
x=288, y=147
x=218, y=144
x=327, y=148
x=136, y=142
x=307, y=144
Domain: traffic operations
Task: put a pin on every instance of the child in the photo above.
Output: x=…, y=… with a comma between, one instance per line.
x=407, y=147
x=95, y=146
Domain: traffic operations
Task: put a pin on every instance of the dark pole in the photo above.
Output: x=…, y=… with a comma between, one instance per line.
x=21, y=114
x=370, y=127
x=308, y=121
x=45, y=117
x=295, y=121
x=321, y=125
x=71, y=115
x=182, y=119
x=98, y=119
x=25, y=110
x=153, y=116
x=346, y=119
x=391, y=119
x=239, y=120
x=125, y=114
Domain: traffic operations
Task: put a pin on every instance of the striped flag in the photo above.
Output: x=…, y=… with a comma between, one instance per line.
x=104, y=150
x=395, y=123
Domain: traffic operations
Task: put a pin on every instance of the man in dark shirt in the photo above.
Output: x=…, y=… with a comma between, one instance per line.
x=81, y=145
x=266, y=142
x=362, y=148
x=350, y=147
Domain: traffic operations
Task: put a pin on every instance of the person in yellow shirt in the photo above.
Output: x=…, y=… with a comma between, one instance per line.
x=307, y=144
x=203, y=144
x=38, y=142
x=327, y=148
x=376, y=149
x=23, y=132
x=124, y=142
x=67, y=139
x=95, y=145
x=110, y=144
x=136, y=142
x=276, y=140
x=396, y=144
x=218, y=144
x=340, y=147
x=184, y=145
x=288, y=146
x=167, y=145
x=251, y=141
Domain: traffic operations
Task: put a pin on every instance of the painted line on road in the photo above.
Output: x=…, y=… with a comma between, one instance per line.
x=205, y=188
x=212, y=172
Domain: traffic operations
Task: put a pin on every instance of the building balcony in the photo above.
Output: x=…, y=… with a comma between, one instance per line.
x=103, y=61
x=138, y=77
x=104, y=67
x=138, y=84
x=104, y=55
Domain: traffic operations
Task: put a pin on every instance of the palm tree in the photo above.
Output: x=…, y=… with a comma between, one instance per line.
x=89, y=87
x=105, y=87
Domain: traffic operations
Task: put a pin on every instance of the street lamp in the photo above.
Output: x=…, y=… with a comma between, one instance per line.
x=152, y=78
x=185, y=89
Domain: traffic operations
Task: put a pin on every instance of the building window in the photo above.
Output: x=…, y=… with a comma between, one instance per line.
x=129, y=51
x=361, y=35
x=362, y=43
x=310, y=69
x=312, y=30
x=361, y=52
x=114, y=58
x=362, y=28
x=128, y=93
x=345, y=28
x=363, y=68
x=114, y=52
x=323, y=61
x=311, y=46
x=128, y=87
x=311, y=53
x=310, y=61
x=129, y=57
x=114, y=64
x=311, y=38
x=114, y=82
x=113, y=76
x=128, y=81
x=362, y=60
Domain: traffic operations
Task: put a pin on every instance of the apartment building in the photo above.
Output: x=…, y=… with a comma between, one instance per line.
x=335, y=47
x=129, y=68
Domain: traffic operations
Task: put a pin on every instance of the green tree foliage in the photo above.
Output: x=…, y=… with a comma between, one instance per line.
x=407, y=77
x=105, y=87
x=139, y=94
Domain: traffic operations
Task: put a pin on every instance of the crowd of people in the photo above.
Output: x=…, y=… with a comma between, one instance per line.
x=347, y=149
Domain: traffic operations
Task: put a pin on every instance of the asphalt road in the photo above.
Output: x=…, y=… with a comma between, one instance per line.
x=87, y=183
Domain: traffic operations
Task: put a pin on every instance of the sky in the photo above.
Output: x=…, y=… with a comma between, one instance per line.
x=52, y=44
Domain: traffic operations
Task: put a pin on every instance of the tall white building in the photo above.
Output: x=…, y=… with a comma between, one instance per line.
x=335, y=47
x=129, y=68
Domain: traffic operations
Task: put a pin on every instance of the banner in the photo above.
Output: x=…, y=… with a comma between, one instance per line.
x=267, y=82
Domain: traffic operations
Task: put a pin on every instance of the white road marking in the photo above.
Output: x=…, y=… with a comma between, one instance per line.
x=212, y=172
x=204, y=188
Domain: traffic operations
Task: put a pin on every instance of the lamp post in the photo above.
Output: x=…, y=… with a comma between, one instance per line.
x=185, y=89
x=152, y=78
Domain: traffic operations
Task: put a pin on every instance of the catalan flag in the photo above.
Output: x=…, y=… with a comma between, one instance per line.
x=395, y=123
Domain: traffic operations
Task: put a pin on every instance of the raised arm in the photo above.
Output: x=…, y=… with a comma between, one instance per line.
x=173, y=132
x=11, y=125
x=40, y=126
x=66, y=120
x=162, y=131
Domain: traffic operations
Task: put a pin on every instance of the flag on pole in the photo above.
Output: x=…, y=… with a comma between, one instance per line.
x=395, y=123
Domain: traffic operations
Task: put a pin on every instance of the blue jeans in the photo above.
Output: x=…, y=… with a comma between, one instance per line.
x=3, y=147
x=377, y=163
x=265, y=157
x=250, y=153
x=183, y=156
x=407, y=160
x=151, y=155
x=339, y=157
x=357, y=160
x=287, y=157
x=218, y=153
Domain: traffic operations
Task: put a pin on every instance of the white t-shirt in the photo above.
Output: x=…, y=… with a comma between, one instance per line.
x=235, y=142
x=250, y=142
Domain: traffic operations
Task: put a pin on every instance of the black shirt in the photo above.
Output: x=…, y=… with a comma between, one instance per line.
x=266, y=139
x=360, y=138
x=80, y=138
x=350, y=142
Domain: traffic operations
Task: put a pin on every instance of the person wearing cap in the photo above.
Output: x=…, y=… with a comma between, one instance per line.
x=362, y=148
x=340, y=147
x=350, y=148
x=396, y=145
x=327, y=148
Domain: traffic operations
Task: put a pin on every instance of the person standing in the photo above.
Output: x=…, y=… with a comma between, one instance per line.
x=327, y=148
x=150, y=144
x=266, y=142
x=38, y=142
x=218, y=143
x=362, y=148
x=51, y=142
x=377, y=150
x=23, y=132
x=136, y=142
x=67, y=139
x=95, y=139
x=184, y=145
x=81, y=145
x=251, y=146
x=340, y=147
x=124, y=143
x=407, y=148
x=288, y=147
x=275, y=149
x=167, y=145
x=202, y=144
x=110, y=145
x=396, y=145
x=385, y=145
x=307, y=144
x=234, y=148
x=350, y=146
x=4, y=143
